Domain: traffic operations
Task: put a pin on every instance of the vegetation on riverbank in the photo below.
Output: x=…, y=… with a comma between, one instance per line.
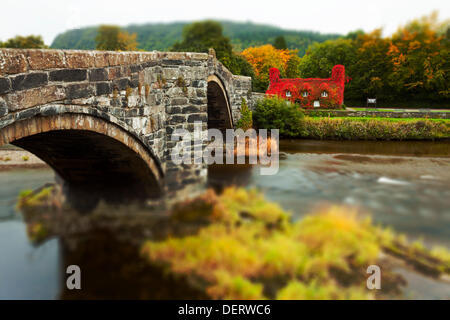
x=248, y=248
x=44, y=197
x=374, y=129
x=275, y=113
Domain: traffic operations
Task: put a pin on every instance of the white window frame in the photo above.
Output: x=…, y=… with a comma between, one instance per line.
x=288, y=94
x=305, y=94
x=324, y=94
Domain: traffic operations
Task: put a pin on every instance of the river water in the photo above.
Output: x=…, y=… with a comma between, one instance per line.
x=405, y=185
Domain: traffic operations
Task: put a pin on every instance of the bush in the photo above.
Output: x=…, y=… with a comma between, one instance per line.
x=246, y=120
x=276, y=113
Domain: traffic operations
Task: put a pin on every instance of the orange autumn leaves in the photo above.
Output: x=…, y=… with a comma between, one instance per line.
x=265, y=57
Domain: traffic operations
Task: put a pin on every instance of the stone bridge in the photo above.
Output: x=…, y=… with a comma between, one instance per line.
x=103, y=120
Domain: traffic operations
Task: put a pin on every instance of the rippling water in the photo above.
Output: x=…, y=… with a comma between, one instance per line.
x=403, y=185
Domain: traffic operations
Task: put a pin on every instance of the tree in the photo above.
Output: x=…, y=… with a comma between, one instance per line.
x=420, y=56
x=27, y=42
x=113, y=38
x=280, y=43
x=201, y=36
x=265, y=57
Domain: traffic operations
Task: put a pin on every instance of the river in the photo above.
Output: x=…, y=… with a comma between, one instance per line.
x=404, y=185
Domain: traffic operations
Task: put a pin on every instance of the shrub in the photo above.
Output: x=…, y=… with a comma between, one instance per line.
x=246, y=120
x=276, y=113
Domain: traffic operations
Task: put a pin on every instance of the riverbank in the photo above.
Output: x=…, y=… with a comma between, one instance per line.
x=386, y=129
x=13, y=158
x=291, y=121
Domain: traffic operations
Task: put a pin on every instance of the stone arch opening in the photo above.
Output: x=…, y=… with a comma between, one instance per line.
x=95, y=159
x=219, y=110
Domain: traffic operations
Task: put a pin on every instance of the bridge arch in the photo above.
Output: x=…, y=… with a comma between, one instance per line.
x=95, y=157
x=219, y=107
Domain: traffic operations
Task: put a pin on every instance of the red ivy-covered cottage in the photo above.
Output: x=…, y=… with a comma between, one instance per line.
x=311, y=92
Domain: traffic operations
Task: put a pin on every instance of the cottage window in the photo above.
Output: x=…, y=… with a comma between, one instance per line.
x=288, y=93
x=305, y=94
x=324, y=94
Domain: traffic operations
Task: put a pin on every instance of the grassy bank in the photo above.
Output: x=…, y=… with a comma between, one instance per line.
x=374, y=129
x=274, y=113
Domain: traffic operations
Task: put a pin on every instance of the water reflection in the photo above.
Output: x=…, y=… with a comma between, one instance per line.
x=404, y=185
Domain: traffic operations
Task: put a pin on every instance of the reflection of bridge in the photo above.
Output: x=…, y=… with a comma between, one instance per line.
x=103, y=119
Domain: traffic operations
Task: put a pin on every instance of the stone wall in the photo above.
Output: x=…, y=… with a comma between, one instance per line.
x=237, y=87
x=255, y=97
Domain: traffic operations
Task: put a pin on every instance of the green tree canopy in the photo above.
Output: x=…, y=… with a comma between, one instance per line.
x=113, y=38
x=24, y=42
x=201, y=36
x=280, y=43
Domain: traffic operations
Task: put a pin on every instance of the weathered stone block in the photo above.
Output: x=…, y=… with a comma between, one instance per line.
x=201, y=93
x=77, y=91
x=34, y=97
x=99, y=74
x=114, y=73
x=193, y=63
x=29, y=81
x=68, y=75
x=122, y=83
x=25, y=114
x=135, y=68
x=197, y=56
x=192, y=109
x=171, y=73
x=45, y=59
x=5, y=85
x=197, y=117
x=177, y=119
x=134, y=82
x=101, y=59
x=167, y=62
x=173, y=110
x=12, y=61
x=80, y=59
x=103, y=88
x=3, y=107
x=199, y=101
x=199, y=83
x=179, y=101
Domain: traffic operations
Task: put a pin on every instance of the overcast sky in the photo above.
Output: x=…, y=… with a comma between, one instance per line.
x=50, y=17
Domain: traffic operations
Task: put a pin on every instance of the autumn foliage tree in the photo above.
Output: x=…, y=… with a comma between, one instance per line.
x=265, y=57
x=113, y=38
x=24, y=42
x=420, y=58
x=412, y=65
